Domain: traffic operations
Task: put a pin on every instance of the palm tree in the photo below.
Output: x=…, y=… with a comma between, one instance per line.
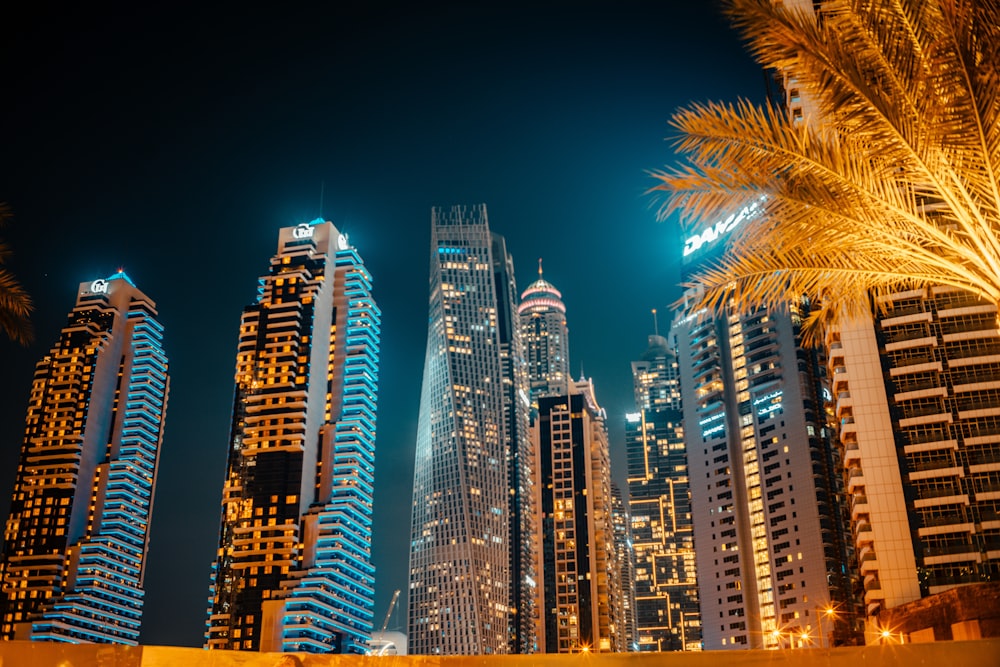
x=890, y=184
x=15, y=304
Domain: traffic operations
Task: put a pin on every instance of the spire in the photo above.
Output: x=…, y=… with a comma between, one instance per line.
x=656, y=326
x=539, y=268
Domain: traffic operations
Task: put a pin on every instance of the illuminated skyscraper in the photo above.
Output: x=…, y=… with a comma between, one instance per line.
x=542, y=321
x=293, y=570
x=918, y=403
x=666, y=588
x=766, y=491
x=472, y=480
x=581, y=596
x=75, y=544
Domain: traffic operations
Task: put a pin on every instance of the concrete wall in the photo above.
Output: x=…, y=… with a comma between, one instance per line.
x=983, y=652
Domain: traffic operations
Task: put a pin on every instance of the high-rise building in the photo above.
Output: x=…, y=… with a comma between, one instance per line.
x=621, y=521
x=666, y=588
x=293, y=570
x=76, y=541
x=542, y=320
x=918, y=404
x=766, y=490
x=580, y=593
x=471, y=555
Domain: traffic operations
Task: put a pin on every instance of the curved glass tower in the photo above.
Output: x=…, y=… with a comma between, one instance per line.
x=293, y=571
x=75, y=544
x=470, y=481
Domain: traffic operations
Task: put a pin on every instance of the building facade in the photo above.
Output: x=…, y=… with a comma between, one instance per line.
x=293, y=570
x=666, y=589
x=766, y=489
x=472, y=490
x=75, y=544
x=545, y=336
x=581, y=594
x=918, y=405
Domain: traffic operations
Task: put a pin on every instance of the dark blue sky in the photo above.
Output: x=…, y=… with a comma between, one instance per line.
x=175, y=141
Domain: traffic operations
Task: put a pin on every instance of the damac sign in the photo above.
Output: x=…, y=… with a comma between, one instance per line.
x=721, y=228
x=99, y=286
x=303, y=231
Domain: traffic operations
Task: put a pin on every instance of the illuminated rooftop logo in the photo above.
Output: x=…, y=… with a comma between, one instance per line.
x=303, y=231
x=99, y=286
x=721, y=228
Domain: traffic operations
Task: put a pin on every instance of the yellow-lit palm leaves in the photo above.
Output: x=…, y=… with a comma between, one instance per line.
x=890, y=182
x=15, y=304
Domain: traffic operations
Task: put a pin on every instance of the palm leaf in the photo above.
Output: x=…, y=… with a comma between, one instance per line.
x=888, y=183
x=15, y=304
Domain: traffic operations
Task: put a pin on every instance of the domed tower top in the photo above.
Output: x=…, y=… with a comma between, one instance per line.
x=541, y=296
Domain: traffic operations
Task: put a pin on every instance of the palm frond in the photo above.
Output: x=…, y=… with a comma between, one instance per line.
x=888, y=183
x=15, y=304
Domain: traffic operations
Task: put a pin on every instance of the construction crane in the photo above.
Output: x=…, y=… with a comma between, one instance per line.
x=385, y=645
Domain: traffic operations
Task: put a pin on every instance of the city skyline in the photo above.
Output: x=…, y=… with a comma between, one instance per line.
x=178, y=150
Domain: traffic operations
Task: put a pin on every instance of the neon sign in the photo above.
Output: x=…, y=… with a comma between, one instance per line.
x=722, y=227
x=99, y=286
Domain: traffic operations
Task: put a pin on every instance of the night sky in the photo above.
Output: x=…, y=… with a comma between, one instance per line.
x=175, y=141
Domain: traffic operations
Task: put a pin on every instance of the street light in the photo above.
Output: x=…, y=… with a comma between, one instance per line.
x=828, y=612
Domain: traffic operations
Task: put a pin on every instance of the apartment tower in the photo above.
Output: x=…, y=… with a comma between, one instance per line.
x=666, y=588
x=918, y=403
x=581, y=595
x=293, y=570
x=766, y=488
x=472, y=489
x=75, y=545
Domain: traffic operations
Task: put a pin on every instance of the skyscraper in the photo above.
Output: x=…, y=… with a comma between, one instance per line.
x=666, y=588
x=918, y=403
x=75, y=544
x=293, y=570
x=581, y=594
x=542, y=322
x=765, y=482
x=471, y=481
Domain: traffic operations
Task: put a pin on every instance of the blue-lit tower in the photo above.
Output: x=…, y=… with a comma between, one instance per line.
x=76, y=541
x=293, y=570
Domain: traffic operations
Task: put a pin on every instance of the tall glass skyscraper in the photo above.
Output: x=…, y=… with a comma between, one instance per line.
x=75, y=544
x=293, y=570
x=471, y=482
x=667, y=614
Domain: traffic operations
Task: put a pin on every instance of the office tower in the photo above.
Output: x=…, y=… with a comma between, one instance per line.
x=766, y=490
x=293, y=570
x=666, y=588
x=542, y=320
x=580, y=593
x=472, y=489
x=918, y=405
x=621, y=521
x=75, y=544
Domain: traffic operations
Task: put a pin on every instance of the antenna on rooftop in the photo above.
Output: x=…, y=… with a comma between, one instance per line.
x=322, y=185
x=656, y=325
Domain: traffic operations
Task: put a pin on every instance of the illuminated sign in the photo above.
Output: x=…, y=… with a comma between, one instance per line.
x=99, y=286
x=633, y=417
x=342, y=242
x=303, y=231
x=721, y=228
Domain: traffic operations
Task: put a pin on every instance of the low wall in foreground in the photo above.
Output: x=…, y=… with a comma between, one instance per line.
x=984, y=652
